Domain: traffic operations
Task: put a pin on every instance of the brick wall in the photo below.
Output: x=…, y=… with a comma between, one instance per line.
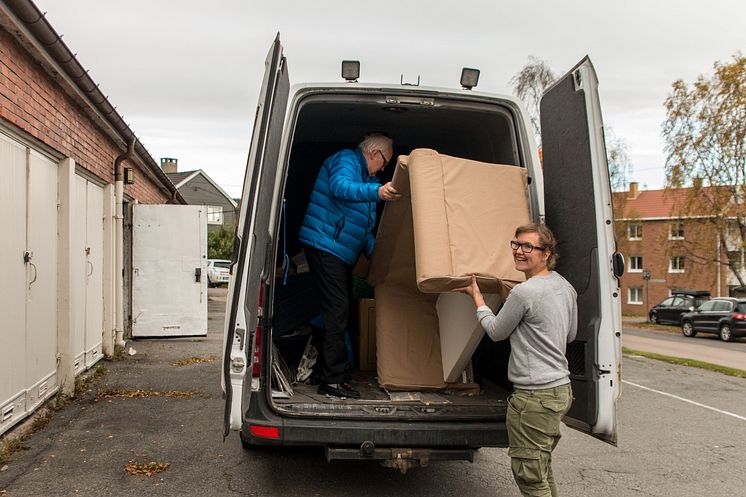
x=656, y=248
x=31, y=100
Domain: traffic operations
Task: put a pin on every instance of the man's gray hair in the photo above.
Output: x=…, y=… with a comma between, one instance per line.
x=374, y=142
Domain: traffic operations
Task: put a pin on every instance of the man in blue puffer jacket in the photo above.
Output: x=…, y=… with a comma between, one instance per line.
x=337, y=227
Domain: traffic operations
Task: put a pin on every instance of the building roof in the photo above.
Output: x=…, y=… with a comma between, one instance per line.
x=660, y=204
x=183, y=178
x=177, y=178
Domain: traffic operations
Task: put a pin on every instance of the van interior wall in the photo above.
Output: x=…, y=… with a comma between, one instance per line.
x=323, y=128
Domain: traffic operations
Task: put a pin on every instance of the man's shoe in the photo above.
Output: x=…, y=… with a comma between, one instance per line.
x=343, y=391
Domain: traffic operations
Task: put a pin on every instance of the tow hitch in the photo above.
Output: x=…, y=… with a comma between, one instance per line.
x=402, y=459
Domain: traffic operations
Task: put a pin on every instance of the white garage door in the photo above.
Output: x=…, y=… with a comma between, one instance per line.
x=28, y=295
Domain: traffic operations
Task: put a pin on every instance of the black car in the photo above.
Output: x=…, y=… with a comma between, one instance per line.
x=724, y=316
x=670, y=309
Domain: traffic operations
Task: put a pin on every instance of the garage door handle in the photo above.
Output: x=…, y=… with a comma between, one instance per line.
x=91, y=265
x=35, y=273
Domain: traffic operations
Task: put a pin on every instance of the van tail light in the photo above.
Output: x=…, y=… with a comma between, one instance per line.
x=265, y=431
x=256, y=360
x=738, y=316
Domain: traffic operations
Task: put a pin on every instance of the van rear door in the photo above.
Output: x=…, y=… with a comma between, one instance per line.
x=253, y=239
x=577, y=198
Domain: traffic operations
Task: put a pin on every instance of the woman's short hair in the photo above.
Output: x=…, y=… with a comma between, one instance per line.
x=375, y=141
x=546, y=239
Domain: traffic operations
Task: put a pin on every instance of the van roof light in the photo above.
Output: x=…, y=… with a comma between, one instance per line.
x=351, y=70
x=469, y=78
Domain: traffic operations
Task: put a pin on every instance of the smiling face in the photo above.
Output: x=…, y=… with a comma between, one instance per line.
x=534, y=262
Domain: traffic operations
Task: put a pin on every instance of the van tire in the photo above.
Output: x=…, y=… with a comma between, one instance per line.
x=687, y=329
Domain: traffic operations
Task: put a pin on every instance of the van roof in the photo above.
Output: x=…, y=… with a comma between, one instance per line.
x=404, y=88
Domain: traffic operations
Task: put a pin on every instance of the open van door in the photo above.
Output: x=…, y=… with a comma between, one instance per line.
x=577, y=199
x=253, y=240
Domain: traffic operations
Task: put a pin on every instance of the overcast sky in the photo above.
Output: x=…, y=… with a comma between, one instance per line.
x=185, y=74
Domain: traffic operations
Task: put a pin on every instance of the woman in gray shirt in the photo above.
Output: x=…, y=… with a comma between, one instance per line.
x=540, y=318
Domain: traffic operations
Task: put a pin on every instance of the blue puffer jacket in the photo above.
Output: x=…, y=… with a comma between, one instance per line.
x=342, y=210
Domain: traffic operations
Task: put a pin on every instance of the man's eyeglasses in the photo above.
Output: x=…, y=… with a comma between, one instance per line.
x=385, y=160
x=527, y=248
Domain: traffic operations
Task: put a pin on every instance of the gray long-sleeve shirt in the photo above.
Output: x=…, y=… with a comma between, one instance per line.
x=541, y=317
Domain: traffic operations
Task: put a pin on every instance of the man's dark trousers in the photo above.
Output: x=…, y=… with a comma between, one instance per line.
x=332, y=278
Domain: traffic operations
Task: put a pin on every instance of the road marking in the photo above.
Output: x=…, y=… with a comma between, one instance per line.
x=742, y=418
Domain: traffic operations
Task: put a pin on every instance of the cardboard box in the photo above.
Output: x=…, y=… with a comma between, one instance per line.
x=464, y=215
x=367, y=335
x=455, y=218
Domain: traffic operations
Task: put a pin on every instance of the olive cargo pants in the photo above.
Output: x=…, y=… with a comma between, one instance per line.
x=533, y=432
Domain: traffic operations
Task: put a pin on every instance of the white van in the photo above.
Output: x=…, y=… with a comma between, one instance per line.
x=294, y=131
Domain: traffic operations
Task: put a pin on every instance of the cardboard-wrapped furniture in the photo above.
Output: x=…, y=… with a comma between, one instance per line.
x=456, y=218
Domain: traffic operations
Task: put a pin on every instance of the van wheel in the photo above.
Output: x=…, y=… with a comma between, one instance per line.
x=726, y=334
x=688, y=330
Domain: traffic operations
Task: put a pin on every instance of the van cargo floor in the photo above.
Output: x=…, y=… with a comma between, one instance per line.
x=491, y=401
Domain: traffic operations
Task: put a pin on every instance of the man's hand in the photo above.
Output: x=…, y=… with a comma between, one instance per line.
x=388, y=192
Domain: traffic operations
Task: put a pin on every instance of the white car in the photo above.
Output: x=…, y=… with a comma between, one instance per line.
x=218, y=271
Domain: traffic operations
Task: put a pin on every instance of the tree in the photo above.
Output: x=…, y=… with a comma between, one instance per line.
x=530, y=83
x=220, y=244
x=705, y=133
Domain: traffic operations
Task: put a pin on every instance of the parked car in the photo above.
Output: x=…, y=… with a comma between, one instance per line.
x=724, y=316
x=670, y=309
x=218, y=272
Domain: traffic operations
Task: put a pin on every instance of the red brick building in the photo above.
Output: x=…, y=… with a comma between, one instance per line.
x=64, y=222
x=676, y=251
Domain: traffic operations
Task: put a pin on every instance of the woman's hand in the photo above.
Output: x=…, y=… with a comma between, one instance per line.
x=472, y=291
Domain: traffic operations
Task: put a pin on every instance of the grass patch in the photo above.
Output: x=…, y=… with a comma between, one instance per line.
x=650, y=326
x=193, y=360
x=738, y=373
x=8, y=446
x=84, y=381
x=143, y=394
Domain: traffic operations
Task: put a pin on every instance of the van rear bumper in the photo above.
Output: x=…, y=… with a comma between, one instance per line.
x=354, y=433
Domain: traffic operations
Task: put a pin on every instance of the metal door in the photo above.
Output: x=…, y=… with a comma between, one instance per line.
x=169, y=270
x=41, y=300
x=78, y=271
x=253, y=241
x=577, y=198
x=13, y=288
x=94, y=290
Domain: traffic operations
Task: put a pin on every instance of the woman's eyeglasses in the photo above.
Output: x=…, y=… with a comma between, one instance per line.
x=527, y=248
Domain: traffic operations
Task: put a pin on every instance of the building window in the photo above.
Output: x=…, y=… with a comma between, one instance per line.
x=214, y=214
x=634, y=295
x=635, y=264
x=634, y=231
x=676, y=231
x=676, y=264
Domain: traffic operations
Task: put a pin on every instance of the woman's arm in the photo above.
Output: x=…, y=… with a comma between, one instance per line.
x=500, y=326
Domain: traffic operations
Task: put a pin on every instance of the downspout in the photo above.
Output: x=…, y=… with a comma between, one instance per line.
x=119, y=243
